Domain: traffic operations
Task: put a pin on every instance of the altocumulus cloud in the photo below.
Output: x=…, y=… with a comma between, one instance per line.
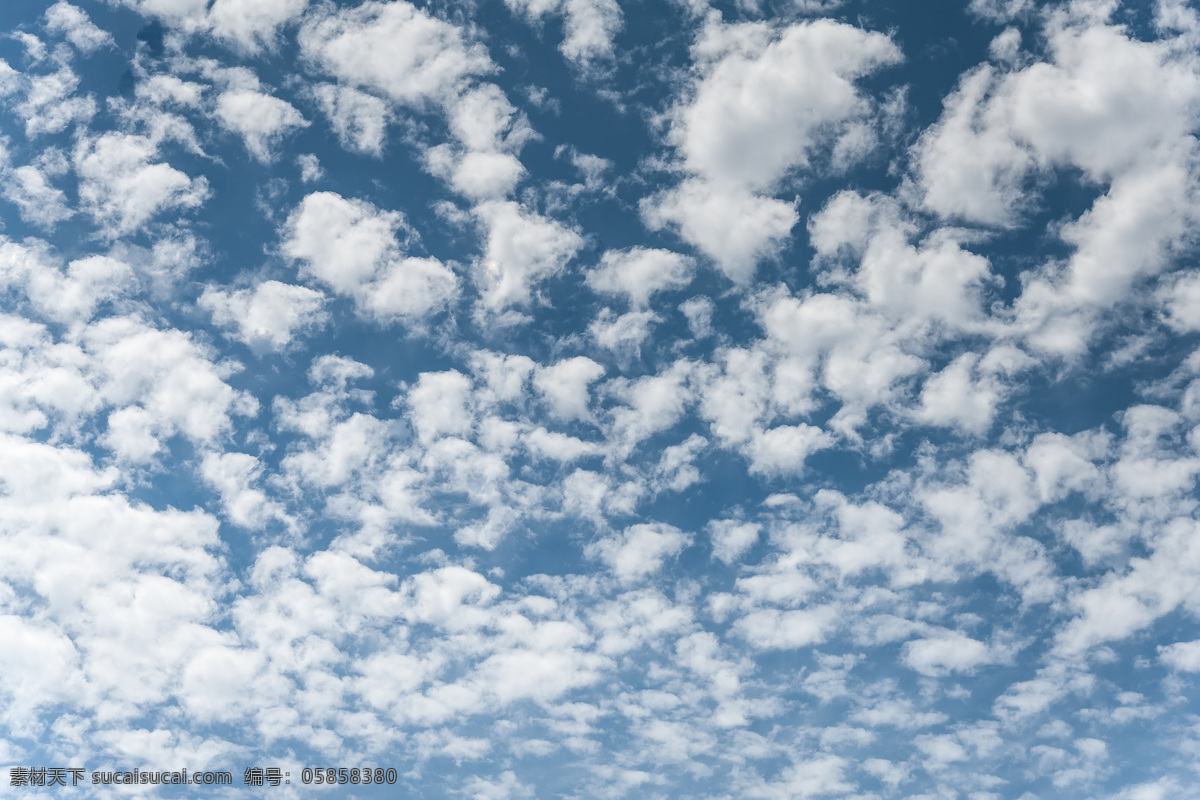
x=571, y=398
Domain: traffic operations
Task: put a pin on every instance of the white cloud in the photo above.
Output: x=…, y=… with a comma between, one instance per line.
x=946, y=653
x=969, y=169
x=956, y=398
x=784, y=449
x=998, y=10
x=870, y=536
x=483, y=120
x=651, y=404
x=589, y=25
x=359, y=119
x=492, y=589
x=88, y=283
x=1128, y=601
x=122, y=612
x=260, y=119
x=35, y=48
x=763, y=96
x=934, y=282
x=1006, y=47
x=123, y=187
x=394, y=48
x=507, y=787
x=1062, y=464
x=731, y=539
x=1159, y=789
x=590, y=28
x=996, y=494
x=1146, y=471
x=763, y=101
x=772, y=629
x=310, y=167
x=352, y=455
x=10, y=79
x=268, y=315
x=698, y=311
x=564, y=386
x=490, y=132
x=160, y=383
x=440, y=405
x=73, y=23
x=823, y=775
x=522, y=249
x=234, y=476
x=1116, y=108
x=42, y=381
x=343, y=241
x=1182, y=302
x=676, y=469
x=188, y=15
x=1102, y=103
x=252, y=24
x=729, y=224
x=1175, y=16
x=901, y=714
x=558, y=446
x=623, y=335
x=640, y=550
x=832, y=341
x=170, y=89
x=638, y=273
x=1181, y=656
x=63, y=295
x=352, y=247
x=37, y=200
x=51, y=105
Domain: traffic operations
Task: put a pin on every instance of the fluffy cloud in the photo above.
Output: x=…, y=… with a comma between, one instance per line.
x=123, y=186
x=160, y=383
x=359, y=119
x=262, y=120
x=640, y=550
x=959, y=426
x=623, y=335
x=352, y=247
x=730, y=539
x=50, y=105
x=638, y=273
x=950, y=651
x=490, y=132
x=234, y=476
x=108, y=606
x=589, y=25
x=37, y=199
x=772, y=629
x=762, y=102
x=63, y=295
x=953, y=397
x=251, y=25
x=522, y=248
x=248, y=26
x=394, y=48
x=564, y=386
x=1183, y=656
x=268, y=315
x=704, y=213
x=1118, y=109
x=73, y=23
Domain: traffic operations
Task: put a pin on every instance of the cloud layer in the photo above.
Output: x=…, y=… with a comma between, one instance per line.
x=554, y=399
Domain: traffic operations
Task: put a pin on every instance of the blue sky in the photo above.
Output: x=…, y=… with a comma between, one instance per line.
x=570, y=398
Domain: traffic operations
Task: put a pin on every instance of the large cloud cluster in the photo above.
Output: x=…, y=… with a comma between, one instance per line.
x=566, y=399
